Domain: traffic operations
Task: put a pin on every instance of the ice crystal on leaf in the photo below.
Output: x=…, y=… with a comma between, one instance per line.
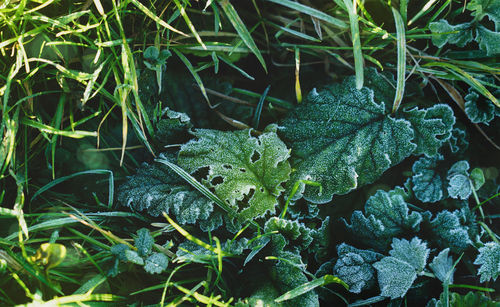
x=354, y=267
x=442, y=266
x=428, y=183
x=158, y=189
x=397, y=272
x=489, y=261
x=240, y=166
x=386, y=216
x=454, y=229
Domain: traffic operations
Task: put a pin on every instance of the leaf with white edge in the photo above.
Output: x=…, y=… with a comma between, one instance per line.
x=488, y=40
x=158, y=189
x=481, y=8
x=428, y=183
x=432, y=127
x=144, y=242
x=387, y=216
x=172, y=127
x=453, y=229
x=119, y=251
x=343, y=139
x=397, y=272
x=442, y=266
x=459, y=184
x=489, y=261
x=479, y=109
x=471, y=299
x=395, y=277
x=134, y=257
x=414, y=252
x=458, y=142
x=156, y=263
x=240, y=166
x=293, y=230
x=354, y=267
x=444, y=33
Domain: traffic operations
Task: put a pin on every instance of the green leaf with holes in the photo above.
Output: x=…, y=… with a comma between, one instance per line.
x=244, y=170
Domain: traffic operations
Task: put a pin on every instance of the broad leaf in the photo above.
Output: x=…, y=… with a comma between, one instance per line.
x=489, y=261
x=481, y=8
x=395, y=277
x=479, y=109
x=397, y=272
x=354, y=267
x=429, y=185
x=158, y=189
x=300, y=234
x=342, y=138
x=414, y=252
x=442, y=266
x=444, y=33
x=432, y=127
x=386, y=216
x=454, y=229
x=156, y=263
x=244, y=170
x=144, y=242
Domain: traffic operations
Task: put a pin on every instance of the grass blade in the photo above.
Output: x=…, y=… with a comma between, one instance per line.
x=240, y=27
x=311, y=12
x=190, y=25
x=194, y=73
x=258, y=110
x=401, y=65
x=356, y=42
x=157, y=19
x=308, y=286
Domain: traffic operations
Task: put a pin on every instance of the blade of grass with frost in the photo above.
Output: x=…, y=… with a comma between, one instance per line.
x=157, y=19
x=190, y=25
x=194, y=73
x=401, y=65
x=240, y=27
x=198, y=186
x=311, y=12
x=356, y=42
x=309, y=286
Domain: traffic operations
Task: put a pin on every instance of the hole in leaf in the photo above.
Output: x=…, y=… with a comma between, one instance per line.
x=242, y=204
x=243, y=170
x=255, y=156
x=201, y=172
x=261, y=189
x=217, y=180
x=227, y=166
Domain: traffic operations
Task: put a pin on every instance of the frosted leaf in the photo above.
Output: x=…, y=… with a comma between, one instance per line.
x=461, y=183
x=245, y=171
x=444, y=33
x=291, y=230
x=387, y=216
x=158, y=189
x=428, y=183
x=414, y=252
x=144, y=242
x=397, y=272
x=156, y=263
x=489, y=261
x=482, y=8
x=432, y=127
x=442, y=266
x=451, y=229
x=395, y=277
x=480, y=109
x=354, y=267
x=342, y=138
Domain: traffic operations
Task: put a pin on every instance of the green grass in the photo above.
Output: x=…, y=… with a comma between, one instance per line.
x=70, y=71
